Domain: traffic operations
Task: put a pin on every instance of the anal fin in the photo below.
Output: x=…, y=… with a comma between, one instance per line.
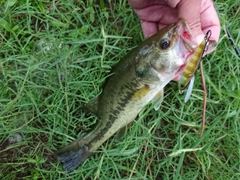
x=121, y=132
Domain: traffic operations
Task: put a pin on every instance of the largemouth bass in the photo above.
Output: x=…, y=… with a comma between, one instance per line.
x=137, y=79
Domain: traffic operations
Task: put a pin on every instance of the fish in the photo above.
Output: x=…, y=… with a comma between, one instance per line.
x=137, y=79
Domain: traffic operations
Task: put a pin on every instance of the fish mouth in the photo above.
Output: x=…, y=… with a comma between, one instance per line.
x=187, y=44
x=184, y=46
x=185, y=35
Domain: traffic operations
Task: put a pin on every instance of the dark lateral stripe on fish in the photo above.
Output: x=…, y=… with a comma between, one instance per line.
x=127, y=93
x=114, y=113
x=113, y=116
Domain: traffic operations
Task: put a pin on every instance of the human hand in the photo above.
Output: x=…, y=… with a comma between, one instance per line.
x=156, y=14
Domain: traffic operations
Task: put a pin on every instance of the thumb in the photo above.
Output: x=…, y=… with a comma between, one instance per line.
x=190, y=11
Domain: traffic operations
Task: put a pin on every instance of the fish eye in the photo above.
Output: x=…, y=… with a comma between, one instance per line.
x=164, y=43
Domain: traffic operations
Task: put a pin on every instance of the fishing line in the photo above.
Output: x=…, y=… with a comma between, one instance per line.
x=230, y=37
x=207, y=37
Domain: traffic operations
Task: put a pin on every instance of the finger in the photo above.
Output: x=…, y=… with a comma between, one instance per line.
x=140, y=4
x=210, y=20
x=172, y=3
x=148, y=28
x=166, y=20
x=190, y=11
x=160, y=15
x=157, y=13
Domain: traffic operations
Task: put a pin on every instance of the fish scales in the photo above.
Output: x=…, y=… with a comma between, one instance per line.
x=135, y=81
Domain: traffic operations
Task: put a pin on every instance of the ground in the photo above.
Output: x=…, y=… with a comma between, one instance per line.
x=54, y=57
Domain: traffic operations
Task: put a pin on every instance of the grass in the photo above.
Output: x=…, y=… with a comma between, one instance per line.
x=54, y=56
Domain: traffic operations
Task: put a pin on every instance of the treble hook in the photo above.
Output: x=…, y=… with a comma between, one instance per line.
x=207, y=37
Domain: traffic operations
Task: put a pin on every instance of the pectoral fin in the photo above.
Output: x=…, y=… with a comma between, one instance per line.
x=157, y=100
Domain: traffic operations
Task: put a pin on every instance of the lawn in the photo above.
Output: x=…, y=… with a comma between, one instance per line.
x=54, y=57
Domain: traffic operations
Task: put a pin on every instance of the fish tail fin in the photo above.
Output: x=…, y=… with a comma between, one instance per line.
x=72, y=157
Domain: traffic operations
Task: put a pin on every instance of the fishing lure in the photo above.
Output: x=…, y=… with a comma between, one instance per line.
x=191, y=67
